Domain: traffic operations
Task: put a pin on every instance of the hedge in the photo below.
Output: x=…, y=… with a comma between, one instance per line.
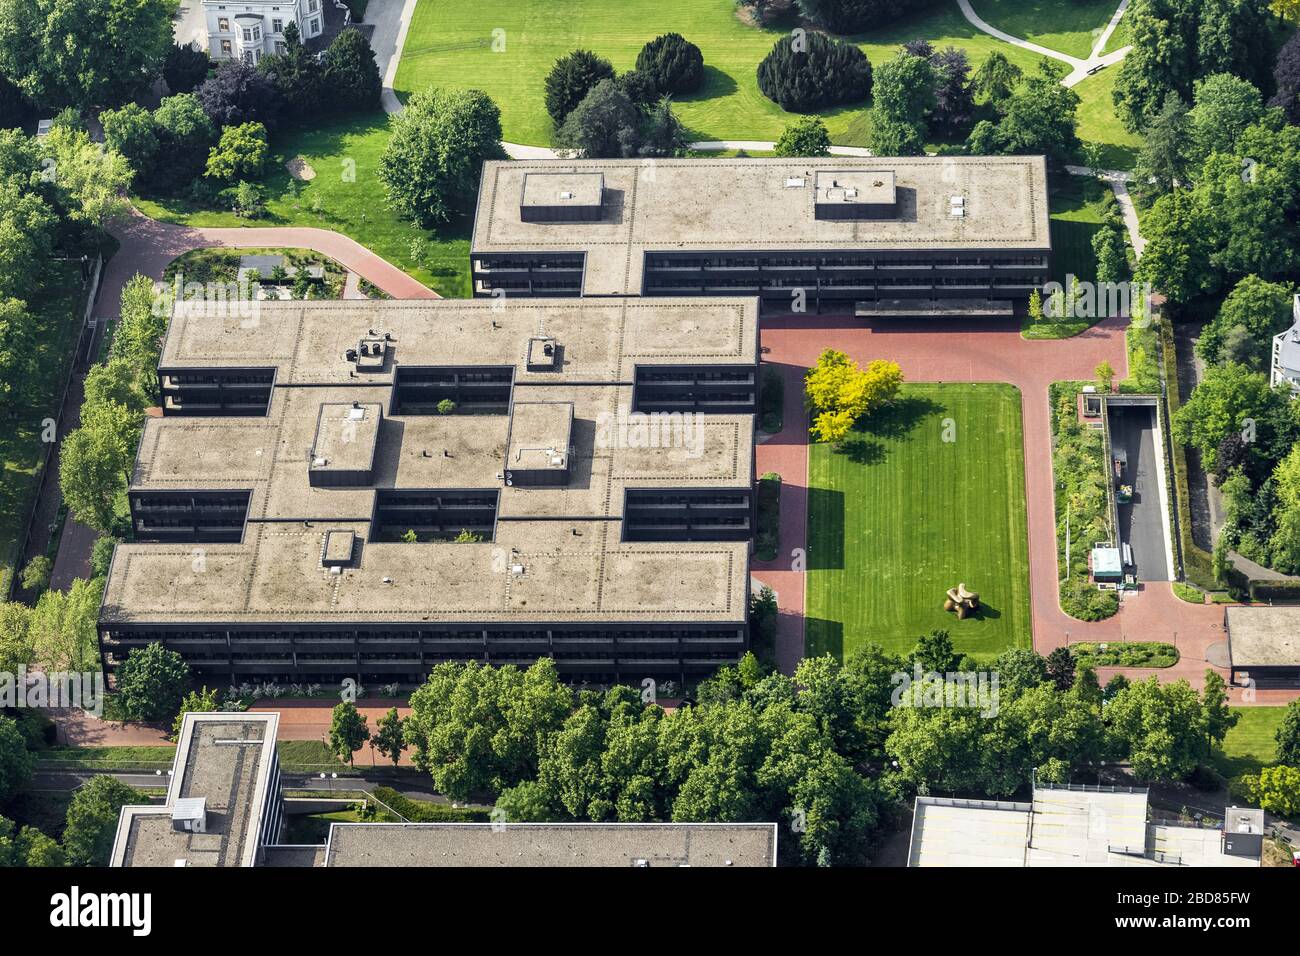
x=1285, y=591
x=423, y=811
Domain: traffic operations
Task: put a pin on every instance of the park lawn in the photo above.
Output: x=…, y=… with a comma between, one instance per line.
x=452, y=45
x=1069, y=26
x=1077, y=206
x=61, y=307
x=898, y=515
x=1099, y=124
x=1251, y=744
x=345, y=196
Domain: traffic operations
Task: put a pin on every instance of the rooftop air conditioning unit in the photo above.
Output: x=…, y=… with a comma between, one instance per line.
x=794, y=182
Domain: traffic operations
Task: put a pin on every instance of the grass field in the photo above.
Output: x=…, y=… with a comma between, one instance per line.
x=1252, y=743
x=1070, y=26
x=451, y=45
x=60, y=308
x=898, y=515
x=1099, y=124
x=345, y=196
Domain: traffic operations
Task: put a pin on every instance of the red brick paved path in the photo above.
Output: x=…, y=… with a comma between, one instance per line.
x=964, y=351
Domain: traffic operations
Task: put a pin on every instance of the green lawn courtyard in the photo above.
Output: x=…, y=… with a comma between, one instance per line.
x=1251, y=744
x=921, y=497
x=344, y=195
x=1070, y=26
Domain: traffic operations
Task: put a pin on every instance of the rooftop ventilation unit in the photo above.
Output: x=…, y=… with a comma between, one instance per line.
x=190, y=814
x=562, y=197
x=794, y=182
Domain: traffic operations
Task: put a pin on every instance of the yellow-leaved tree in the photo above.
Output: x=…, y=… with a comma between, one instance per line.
x=839, y=392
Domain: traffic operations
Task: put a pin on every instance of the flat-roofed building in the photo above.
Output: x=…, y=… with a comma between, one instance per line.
x=603, y=502
x=1264, y=645
x=223, y=805
x=915, y=235
x=1073, y=826
x=226, y=778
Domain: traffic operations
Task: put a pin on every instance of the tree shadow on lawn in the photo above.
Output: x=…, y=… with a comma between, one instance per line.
x=823, y=637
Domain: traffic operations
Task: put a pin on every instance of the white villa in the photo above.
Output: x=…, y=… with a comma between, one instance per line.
x=251, y=29
x=1286, y=354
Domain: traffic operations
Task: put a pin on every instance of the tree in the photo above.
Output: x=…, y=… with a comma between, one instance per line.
x=571, y=78
x=201, y=701
x=1219, y=717
x=1167, y=147
x=1104, y=376
x=1225, y=399
x=83, y=53
x=1038, y=117
x=1111, y=251
x=1176, y=258
x=185, y=67
x=92, y=819
x=15, y=641
x=854, y=16
x=479, y=729
x=300, y=77
x=61, y=628
x=1224, y=106
x=388, y=736
x=351, y=73
x=131, y=133
x=137, y=340
x=185, y=133
x=151, y=683
x=903, y=93
x=92, y=475
x=430, y=167
x=934, y=652
x=36, y=574
x=839, y=392
x=662, y=132
x=17, y=368
x=1060, y=667
x=1276, y=789
x=806, y=136
x=1286, y=80
x=1284, y=545
x=1288, y=735
x=527, y=802
x=348, y=730
x=995, y=79
x=1019, y=669
x=606, y=124
x=239, y=93
x=954, y=97
x=1159, y=728
x=15, y=762
x=239, y=154
x=91, y=178
x=674, y=63
x=28, y=847
x=811, y=71
x=1259, y=309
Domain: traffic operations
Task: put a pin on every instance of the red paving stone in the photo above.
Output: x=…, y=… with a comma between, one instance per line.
x=148, y=245
x=981, y=351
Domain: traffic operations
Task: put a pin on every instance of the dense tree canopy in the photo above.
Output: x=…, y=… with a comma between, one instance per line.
x=151, y=683
x=673, y=63
x=430, y=167
x=84, y=53
x=811, y=71
x=571, y=78
x=240, y=93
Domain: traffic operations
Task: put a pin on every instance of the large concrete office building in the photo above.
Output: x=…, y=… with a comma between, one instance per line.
x=225, y=808
x=924, y=235
x=296, y=506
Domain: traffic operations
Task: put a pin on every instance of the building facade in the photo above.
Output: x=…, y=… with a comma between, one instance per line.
x=911, y=236
x=1285, y=367
x=362, y=490
x=251, y=29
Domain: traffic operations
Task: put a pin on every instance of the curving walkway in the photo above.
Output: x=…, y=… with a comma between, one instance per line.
x=1080, y=70
x=147, y=245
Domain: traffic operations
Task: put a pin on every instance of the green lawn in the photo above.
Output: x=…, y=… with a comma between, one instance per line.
x=1099, y=124
x=451, y=45
x=1252, y=743
x=1070, y=26
x=60, y=309
x=898, y=515
x=345, y=196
